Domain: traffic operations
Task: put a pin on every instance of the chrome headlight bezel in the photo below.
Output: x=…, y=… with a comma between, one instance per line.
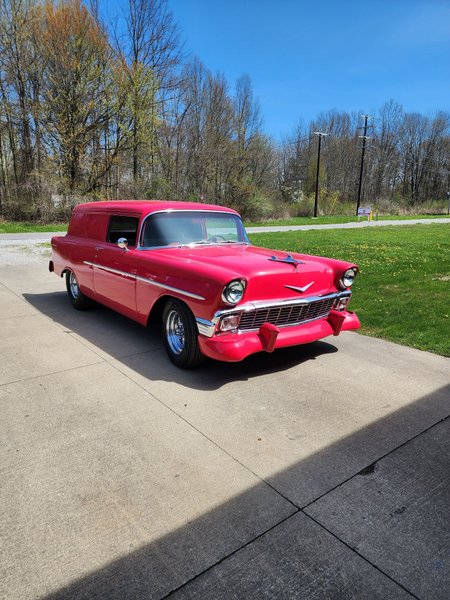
x=233, y=292
x=348, y=278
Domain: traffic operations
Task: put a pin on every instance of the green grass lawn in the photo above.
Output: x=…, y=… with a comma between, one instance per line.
x=402, y=292
x=337, y=219
x=29, y=227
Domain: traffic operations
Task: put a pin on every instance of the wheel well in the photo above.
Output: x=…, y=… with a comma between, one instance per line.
x=156, y=311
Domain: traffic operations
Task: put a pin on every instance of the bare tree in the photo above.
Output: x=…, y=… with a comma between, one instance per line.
x=151, y=52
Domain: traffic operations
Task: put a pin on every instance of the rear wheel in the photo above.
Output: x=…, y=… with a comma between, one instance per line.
x=181, y=335
x=77, y=298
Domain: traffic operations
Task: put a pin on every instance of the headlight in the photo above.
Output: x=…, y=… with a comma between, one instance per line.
x=347, y=278
x=233, y=291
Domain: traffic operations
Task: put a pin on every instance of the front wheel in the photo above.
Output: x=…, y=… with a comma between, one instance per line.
x=181, y=335
x=77, y=298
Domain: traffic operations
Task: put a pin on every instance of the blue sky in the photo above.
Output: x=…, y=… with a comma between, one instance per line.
x=305, y=57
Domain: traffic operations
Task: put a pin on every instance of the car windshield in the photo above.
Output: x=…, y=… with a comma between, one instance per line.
x=180, y=228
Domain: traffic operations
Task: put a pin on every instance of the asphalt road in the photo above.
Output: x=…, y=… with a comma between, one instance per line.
x=314, y=472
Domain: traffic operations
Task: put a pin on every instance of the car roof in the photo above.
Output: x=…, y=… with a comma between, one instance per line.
x=148, y=206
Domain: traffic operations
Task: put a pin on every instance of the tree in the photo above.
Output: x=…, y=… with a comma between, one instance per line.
x=151, y=54
x=75, y=88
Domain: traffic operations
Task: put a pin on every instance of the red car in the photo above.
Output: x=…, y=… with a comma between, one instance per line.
x=192, y=266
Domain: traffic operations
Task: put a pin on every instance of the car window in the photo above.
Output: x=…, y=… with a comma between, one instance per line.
x=122, y=226
x=164, y=229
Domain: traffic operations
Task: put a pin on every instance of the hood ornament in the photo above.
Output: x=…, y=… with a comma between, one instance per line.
x=300, y=289
x=290, y=260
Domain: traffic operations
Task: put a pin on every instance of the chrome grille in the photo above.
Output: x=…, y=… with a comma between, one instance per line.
x=290, y=314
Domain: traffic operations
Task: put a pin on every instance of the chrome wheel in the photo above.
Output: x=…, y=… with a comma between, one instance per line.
x=77, y=298
x=181, y=335
x=73, y=284
x=175, y=332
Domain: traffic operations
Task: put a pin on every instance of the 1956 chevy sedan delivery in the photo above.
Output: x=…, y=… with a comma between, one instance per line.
x=192, y=266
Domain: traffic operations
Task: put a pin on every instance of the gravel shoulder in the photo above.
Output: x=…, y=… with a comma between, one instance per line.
x=24, y=251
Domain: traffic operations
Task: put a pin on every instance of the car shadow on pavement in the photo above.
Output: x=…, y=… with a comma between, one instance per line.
x=381, y=539
x=141, y=349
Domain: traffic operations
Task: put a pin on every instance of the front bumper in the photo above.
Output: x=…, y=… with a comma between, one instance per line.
x=235, y=346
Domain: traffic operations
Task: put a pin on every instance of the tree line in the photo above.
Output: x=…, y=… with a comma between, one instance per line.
x=91, y=109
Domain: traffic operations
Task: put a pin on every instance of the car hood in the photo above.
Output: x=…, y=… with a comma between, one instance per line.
x=266, y=278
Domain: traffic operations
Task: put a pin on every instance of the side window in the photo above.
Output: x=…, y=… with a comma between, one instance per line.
x=121, y=226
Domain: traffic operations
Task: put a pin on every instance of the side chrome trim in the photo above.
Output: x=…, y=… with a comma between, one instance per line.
x=145, y=280
x=170, y=288
x=110, y=270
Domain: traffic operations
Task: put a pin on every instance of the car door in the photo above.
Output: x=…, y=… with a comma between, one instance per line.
x=115, y=268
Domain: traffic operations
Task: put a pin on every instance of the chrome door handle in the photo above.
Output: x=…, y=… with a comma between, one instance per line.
x=98, y=247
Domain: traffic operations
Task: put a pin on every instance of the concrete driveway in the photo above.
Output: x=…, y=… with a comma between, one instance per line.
x=316, y=472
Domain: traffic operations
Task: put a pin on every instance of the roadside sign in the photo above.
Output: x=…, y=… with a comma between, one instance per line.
x=364, y=211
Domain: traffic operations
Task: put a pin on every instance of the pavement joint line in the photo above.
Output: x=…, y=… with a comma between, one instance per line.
x=302, y=510
x=42, y=375
x=374, y=566
x=260, y=535
x=373, y=462
x=74, y=335
x=21, y=298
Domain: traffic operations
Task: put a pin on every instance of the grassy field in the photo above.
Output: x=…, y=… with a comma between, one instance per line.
x=402, y=292
x=29, y=227
x=337, y=219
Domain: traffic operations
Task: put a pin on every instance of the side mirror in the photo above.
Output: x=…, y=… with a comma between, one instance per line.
x=123, y=243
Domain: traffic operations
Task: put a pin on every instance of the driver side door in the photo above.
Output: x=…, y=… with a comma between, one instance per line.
x=115, y=268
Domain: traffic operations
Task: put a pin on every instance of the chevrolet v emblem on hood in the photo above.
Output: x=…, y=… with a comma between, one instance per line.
x=299, y=289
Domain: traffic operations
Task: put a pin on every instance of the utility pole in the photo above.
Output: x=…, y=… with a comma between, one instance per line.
x=363, y=151
x=316, y=199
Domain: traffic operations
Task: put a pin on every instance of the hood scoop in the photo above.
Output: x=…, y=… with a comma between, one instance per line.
x=290, y=260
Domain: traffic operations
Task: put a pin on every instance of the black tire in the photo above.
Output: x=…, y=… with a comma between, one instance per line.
x=77, y=298
x=180, y=335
